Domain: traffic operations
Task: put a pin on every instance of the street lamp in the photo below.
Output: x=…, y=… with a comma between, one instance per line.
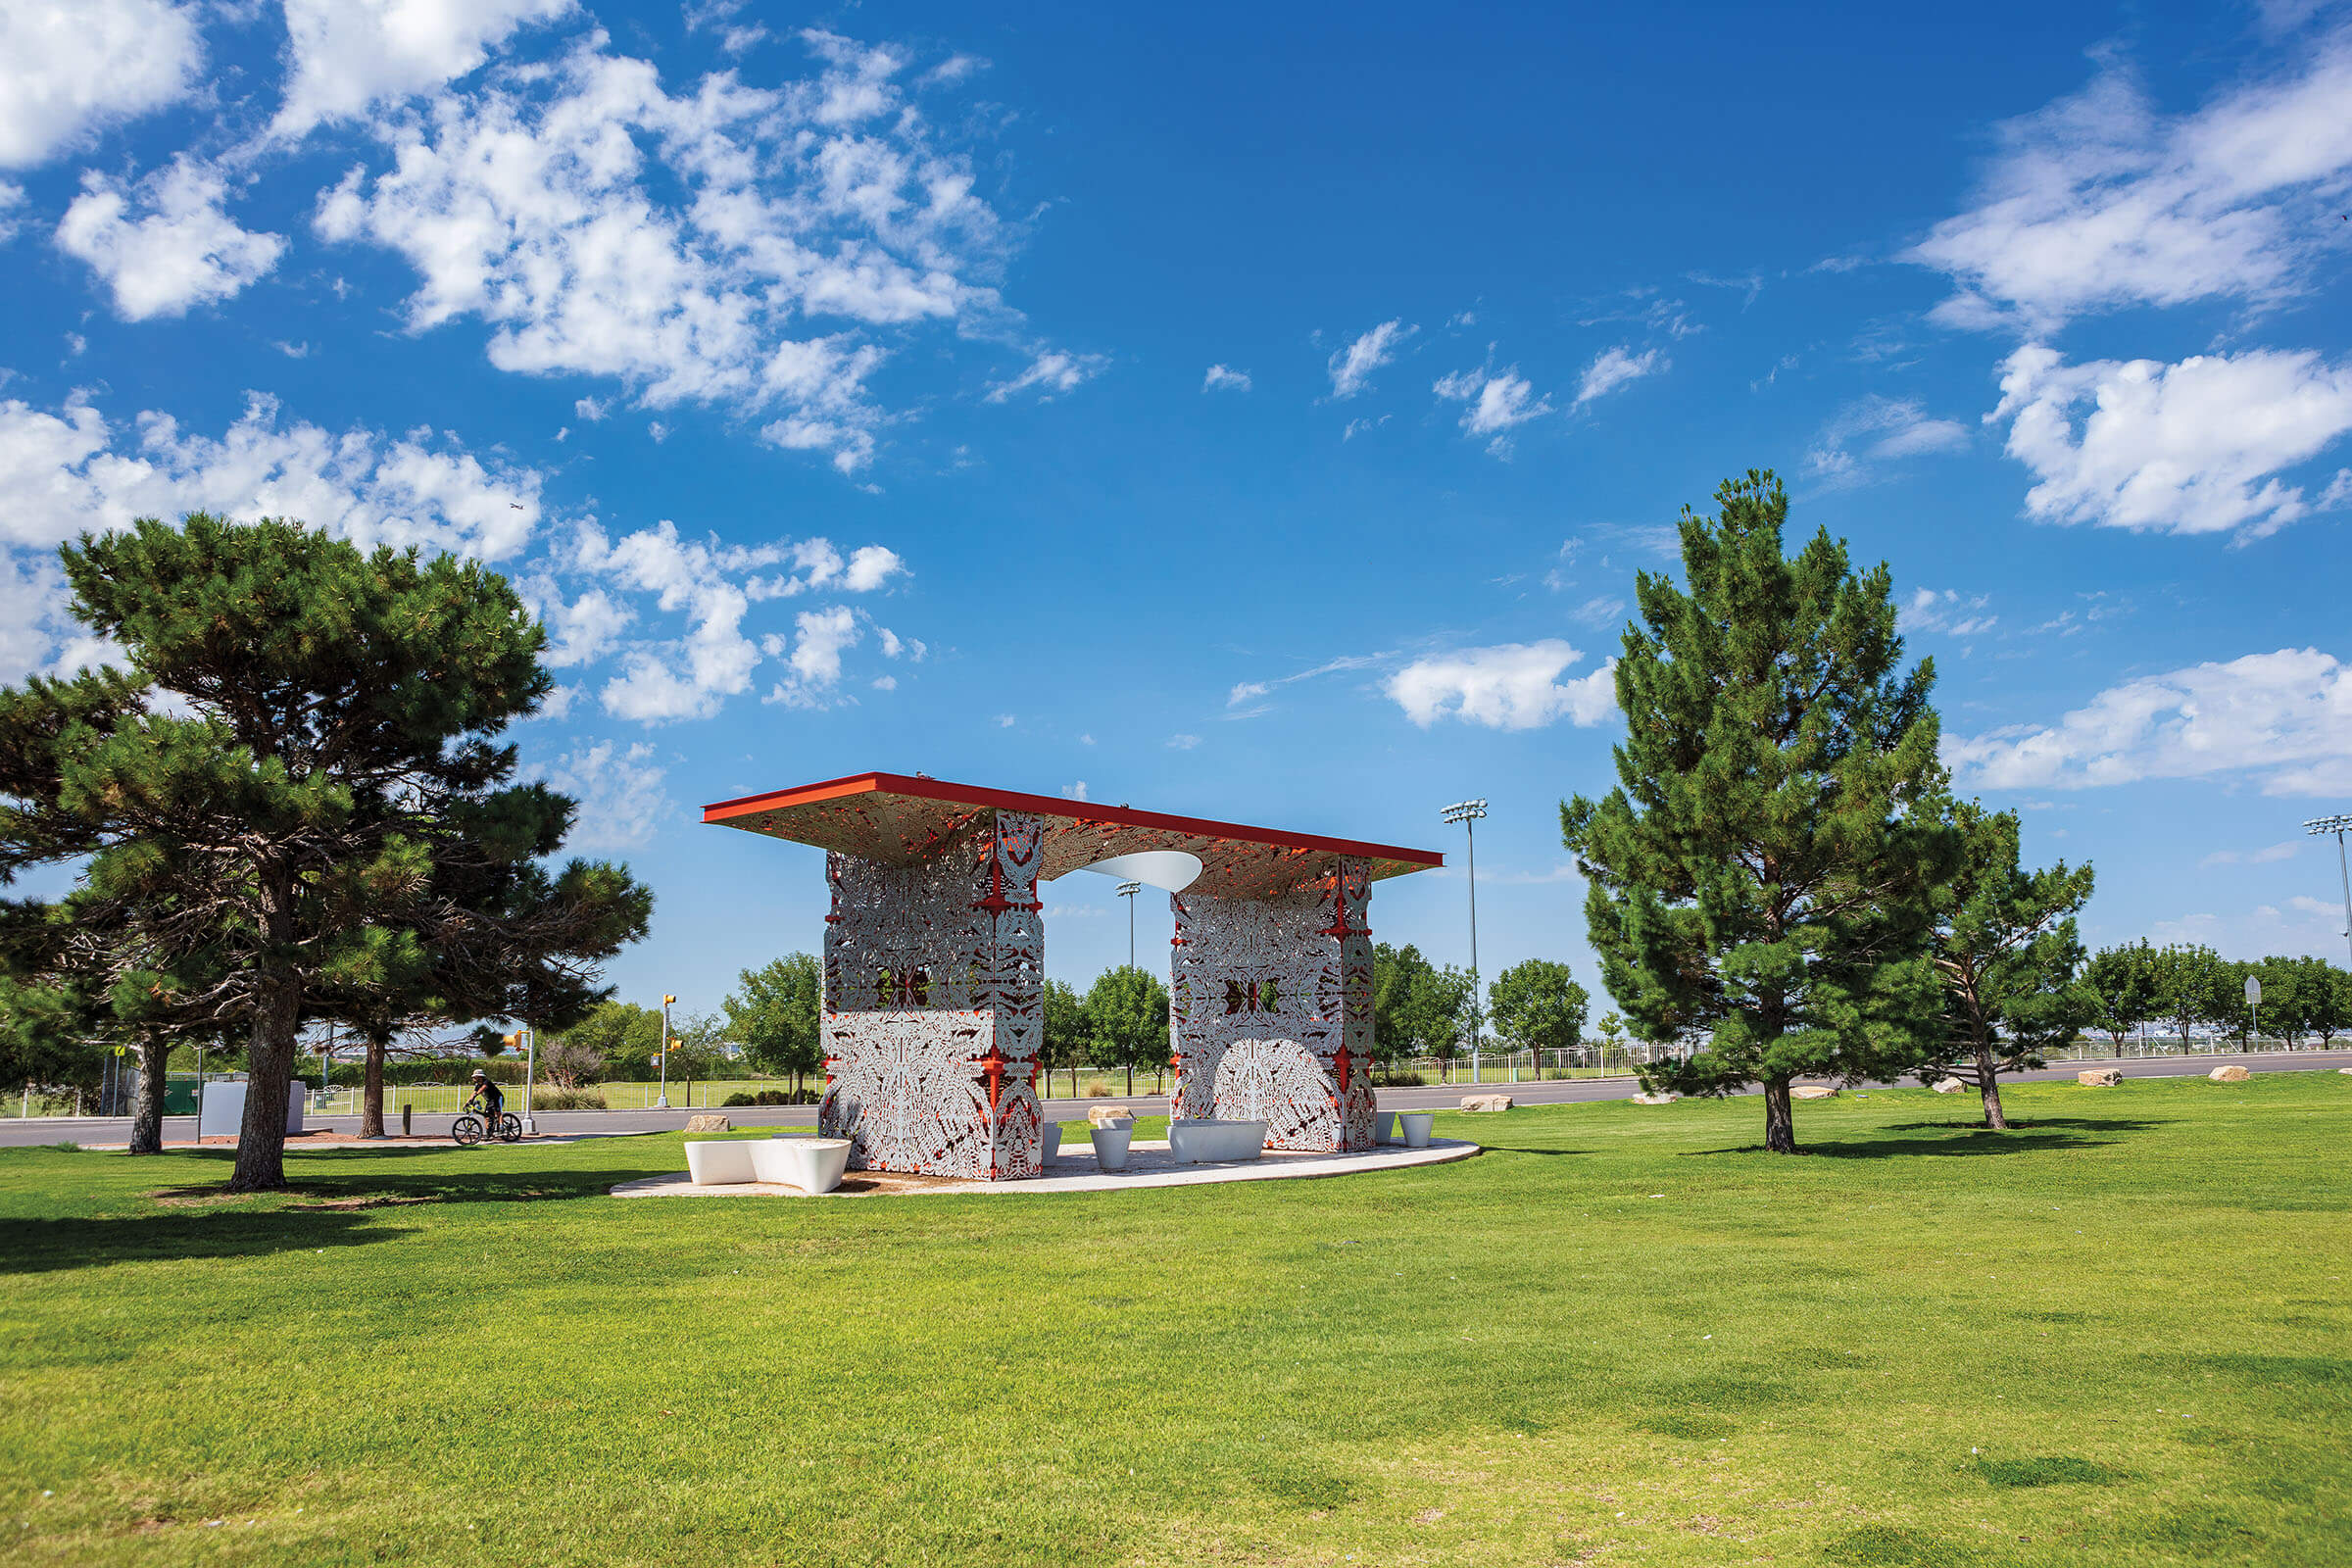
x=1128, y=891
x=1469, y=814
x=663, y=1101
x=2336, y=825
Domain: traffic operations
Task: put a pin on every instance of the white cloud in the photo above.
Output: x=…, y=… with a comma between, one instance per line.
x=2098, y=201
x=1615, y=368
x=1223, y=375
x=884, y=683
x=346, y=56
x=1184, y=743
x=2305, y=925
x=1878, y=429
x=1074, y=791
x=68, y=68
x=2283, y=720
x=1051, y=373
x=1499, y=401
x=621, y=800
x=1356, y=428
x=2268, y=856
x=1509, y=686
x=1946, y=611
x=2187, y=448
x=164, y=244
x=1247, y=691
x=729, y=245
x=69, y=470
x=1352, y=367
x=871, y=566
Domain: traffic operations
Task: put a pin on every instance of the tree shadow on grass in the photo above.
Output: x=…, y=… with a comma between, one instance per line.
x=1971, y=1141
x=48, y=1246
x=2087, y=1124
x=1513, y=1148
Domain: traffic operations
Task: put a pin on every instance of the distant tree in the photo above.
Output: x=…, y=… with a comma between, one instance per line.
x=1397, y=973
x=1538, y=1006
x=568, y=1063
x=2328, y=1002
x=1128, y=1009
x=2121, y=985
x=1763, y=872
x=1066, y=1032
x=2007, y=951
x=2186, y=981
x=1612, y=1037
x=2282, y=997
x=622, y=1035
x=775, y=1013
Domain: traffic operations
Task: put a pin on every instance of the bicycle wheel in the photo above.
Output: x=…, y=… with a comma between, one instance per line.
x=467, y=1131
x=510, y=1128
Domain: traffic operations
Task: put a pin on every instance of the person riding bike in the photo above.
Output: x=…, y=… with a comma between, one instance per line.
x=491, y=1098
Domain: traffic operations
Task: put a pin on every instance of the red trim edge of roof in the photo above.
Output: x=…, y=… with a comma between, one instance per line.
x=932, y=789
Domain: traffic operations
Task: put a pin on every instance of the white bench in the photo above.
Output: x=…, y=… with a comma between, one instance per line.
x=1210, y=1139
x=811, y=1164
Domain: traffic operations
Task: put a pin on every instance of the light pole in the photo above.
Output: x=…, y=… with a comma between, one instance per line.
x=1128, y=891
x=1469, y=814
x=2336, y=825
x=663, y=1101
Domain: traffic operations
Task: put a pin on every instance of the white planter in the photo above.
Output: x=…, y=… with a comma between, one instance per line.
x=1417, y=1124
x=1384, y=1126
x=1207, y=1140
x=720, y=1162
x=1110, y=1146
x=812, y=1164
x=1049, y=1144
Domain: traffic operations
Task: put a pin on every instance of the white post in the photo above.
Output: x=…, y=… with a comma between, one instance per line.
x=530, y=1071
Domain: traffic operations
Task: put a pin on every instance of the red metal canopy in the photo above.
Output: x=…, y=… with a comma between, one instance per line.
x=898, y=820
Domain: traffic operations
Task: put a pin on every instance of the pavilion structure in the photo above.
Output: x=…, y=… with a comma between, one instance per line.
x=934, y=964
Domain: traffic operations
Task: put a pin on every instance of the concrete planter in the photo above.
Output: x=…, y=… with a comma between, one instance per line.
x=812, y=1164
x=1048, y=1145
x=1384, y=1126
x=1208, y=1140
x=1416, y=1124
x=1110, y=1146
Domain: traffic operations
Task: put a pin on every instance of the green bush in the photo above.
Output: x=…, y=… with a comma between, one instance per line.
x=568, y=1099
x=772, y=1096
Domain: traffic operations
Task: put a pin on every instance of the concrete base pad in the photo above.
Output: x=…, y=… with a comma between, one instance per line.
x=1074, y=1172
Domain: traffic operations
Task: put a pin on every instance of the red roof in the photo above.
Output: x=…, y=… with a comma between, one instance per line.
x=898, y=820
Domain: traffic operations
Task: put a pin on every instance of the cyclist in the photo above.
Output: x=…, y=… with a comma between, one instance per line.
x=492, y=1100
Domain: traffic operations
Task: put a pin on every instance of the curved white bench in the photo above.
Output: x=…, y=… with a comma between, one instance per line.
x=720, y=1162
x=812, y=1164
x=1208, y=1140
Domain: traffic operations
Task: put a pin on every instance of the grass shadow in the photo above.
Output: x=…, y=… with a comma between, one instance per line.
x=1973, y=1141
x=1513, y=1148
x=2086, y=1124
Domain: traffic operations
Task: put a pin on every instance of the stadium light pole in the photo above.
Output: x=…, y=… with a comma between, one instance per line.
x=2322, y=825
x=1469, y=814
x=1128, y=891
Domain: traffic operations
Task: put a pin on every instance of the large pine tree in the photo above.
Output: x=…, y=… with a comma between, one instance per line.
x=1760, y=879
x=301, y=756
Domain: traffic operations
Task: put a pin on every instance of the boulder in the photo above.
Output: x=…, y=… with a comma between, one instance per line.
x=1668, y=1099
x=1813, y=1092
x=1948, y=1086
x=2101, y=1077
x=709, y=1124
x=1485, y=1102
x=1108, y=1115
x=2346, y=1071
x=2231, y=1074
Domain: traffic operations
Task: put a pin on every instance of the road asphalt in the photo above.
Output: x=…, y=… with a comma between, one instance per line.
x=16, y=1133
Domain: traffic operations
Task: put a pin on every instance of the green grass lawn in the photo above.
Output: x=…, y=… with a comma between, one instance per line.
x=2117, y=1335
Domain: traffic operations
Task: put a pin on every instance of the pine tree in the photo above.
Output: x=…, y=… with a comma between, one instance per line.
x=2006, y=948
x=301, y=752
x=1762, y=874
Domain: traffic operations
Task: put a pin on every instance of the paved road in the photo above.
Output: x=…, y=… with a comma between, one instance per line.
x=116, y=1130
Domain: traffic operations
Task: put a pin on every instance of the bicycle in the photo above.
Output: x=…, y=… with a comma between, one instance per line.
x=471, y=1129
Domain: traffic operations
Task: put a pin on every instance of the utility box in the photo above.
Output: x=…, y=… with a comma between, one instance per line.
x=224, y=1108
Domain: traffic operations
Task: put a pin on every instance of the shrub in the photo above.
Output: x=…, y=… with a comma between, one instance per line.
x=570, y=1100
x=1097, y=1090
x=771, y=1097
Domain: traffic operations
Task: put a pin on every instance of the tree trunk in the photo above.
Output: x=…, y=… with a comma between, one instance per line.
x=147, y=1116
x=1989, y=1085
x=269, y=1068
x=372, y=1093
x=1780, y=1120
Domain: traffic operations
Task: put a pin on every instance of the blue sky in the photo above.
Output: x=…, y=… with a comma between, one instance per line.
x=1252, y=416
